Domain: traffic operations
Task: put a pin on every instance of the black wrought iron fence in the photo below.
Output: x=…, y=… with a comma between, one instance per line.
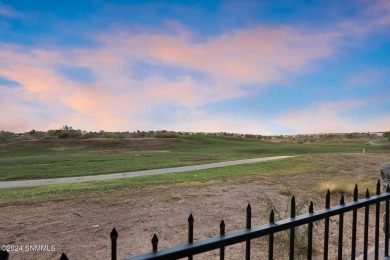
x=245, y=236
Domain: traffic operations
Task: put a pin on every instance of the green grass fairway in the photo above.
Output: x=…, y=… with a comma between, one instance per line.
x=203, y=177
x=315, y=165
x=65, y=158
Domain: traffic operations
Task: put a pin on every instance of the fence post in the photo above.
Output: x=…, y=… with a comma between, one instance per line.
x=387, y=224
x=326, y=232
x=377, y=209
x=4, y=255
x=354, y=224
x=190, y=231
x=222, y=233
x=366, y=216
x=113, y=236
x=292, y=229
x=271, y=237
x=248, y=226
x=63, y=257
x=310, y=234
x=341, y=229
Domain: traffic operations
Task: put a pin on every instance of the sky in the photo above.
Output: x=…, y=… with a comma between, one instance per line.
x=259, y=67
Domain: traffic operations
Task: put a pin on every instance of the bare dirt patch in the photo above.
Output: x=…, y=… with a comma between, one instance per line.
x=80, y=225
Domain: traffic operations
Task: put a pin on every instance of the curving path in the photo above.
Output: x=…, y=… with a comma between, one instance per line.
x=24, y=183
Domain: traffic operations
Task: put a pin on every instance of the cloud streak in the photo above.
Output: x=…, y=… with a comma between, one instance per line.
x=328, y=116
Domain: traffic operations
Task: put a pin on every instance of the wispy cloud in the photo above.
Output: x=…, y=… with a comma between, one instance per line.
x=114, y=97
x=8, y=11
x=328, y=116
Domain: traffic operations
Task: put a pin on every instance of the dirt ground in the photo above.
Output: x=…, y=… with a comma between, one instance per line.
x=80, y=225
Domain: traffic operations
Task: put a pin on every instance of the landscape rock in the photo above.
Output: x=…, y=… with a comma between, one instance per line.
x=385, y=175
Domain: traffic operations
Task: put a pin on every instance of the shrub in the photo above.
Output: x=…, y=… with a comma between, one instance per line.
x=301, y=232
x=6, y=136
x=166, y=134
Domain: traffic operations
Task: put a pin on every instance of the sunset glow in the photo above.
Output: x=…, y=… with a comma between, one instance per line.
x=261, y=67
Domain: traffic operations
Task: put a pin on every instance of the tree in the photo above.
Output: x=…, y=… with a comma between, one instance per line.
x=6, y=136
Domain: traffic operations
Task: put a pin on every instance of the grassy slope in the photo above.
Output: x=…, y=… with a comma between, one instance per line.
x=295, y=166
x=193, y=178
x=61, y=158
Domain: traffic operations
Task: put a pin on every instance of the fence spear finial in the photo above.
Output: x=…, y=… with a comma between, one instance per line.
x=292, y=207
x=327, y=199
x=248, y=216
x=367, y=194
x=64, y=257
x=154, y=242
x=355, y=193
x=311, y=207
x=222, y=228
x=114, y=233
x=272, y=217
x=342, y=200
x=378, y=187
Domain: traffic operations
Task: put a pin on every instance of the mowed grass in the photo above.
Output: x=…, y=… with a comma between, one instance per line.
x=293, y=165
x=317, y=172
x=67, y=158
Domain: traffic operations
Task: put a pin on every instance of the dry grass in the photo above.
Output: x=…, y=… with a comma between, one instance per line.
x=345, y=187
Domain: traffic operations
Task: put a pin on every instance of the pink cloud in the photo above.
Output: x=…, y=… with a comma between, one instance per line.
x=256, y=56
x=8, y=11
x=327, y=117
x=374, y=18
x=251, y=56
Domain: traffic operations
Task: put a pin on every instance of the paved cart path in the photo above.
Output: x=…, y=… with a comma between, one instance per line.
x=24, y=183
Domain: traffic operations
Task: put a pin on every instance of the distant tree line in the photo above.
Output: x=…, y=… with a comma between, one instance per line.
x=68, y=132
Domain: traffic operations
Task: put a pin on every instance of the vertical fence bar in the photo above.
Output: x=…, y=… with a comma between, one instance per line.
x=310, y=234
x=326, y=231
x=190, y=231
x=4, y=255
x=378, y=191
x=366, y=215
x=341, y=230
x=292, y=229
x=154, y=243
x=248, y=226
x=271, y=237
x=63, y=257
x=354, y=224
x=222, y=233
x=114, y=237
x=387, y=224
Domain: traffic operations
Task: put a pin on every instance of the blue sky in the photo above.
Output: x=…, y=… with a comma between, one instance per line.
x=261, y=67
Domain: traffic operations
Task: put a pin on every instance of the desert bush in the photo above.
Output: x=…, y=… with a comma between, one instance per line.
x=301, y=232
x=166, y=134
x=6, y=136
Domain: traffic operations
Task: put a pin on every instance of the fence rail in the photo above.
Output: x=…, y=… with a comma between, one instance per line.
x=223, y=240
